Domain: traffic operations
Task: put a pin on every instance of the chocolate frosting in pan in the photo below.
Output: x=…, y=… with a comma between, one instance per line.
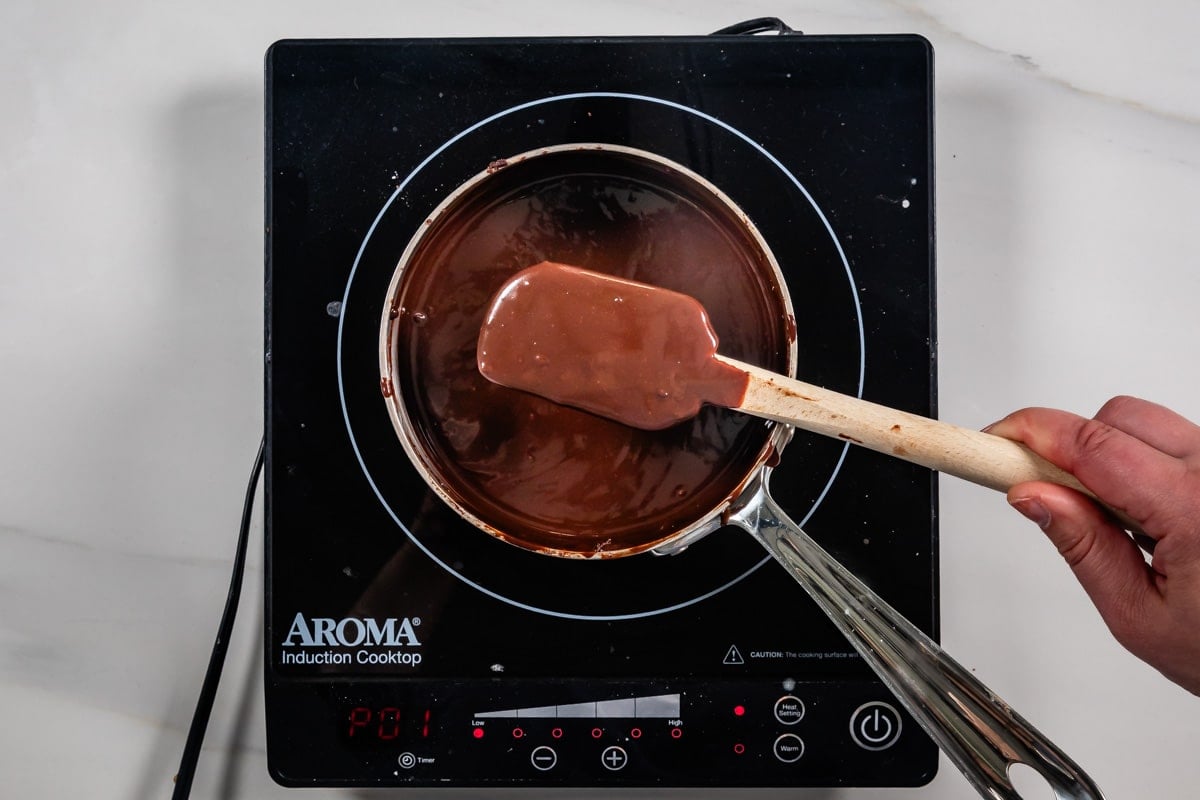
x=541, y=474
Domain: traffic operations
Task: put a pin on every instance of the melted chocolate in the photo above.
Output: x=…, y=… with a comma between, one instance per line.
x=635, y=353
x=545, y=475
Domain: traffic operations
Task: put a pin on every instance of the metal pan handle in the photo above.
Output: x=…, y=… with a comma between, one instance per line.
x=977, y=730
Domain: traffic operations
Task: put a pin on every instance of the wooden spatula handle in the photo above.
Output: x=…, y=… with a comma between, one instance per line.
x=972, y=455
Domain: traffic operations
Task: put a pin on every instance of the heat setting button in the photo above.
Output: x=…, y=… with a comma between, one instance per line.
x=789, y=748
x=875, y=726
x=789, y=710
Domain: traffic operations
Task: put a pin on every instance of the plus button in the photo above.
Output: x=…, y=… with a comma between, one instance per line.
x=614, y=758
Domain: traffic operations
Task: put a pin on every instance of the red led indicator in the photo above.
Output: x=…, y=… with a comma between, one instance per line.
x=739, y=748
x=676, y=733
x=635, y=733
x=518, y=733
x=556, y=733
x=739, y=711
x=477, y=733
x=597, y=733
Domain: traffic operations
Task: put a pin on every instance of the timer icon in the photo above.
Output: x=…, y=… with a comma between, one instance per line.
x=407, y=760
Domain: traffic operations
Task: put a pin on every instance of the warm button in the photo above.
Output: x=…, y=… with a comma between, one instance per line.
x=789, y=710
x=789, y=747
x=875, y=726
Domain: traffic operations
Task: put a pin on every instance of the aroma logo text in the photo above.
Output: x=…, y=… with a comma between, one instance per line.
x=352, y=632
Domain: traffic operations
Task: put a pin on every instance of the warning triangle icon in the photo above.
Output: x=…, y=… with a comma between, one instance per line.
x=733, y=656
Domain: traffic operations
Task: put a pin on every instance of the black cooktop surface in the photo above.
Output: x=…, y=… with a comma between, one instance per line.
x=399, y=637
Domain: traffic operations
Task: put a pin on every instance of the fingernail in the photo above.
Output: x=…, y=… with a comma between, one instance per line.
x=1032, y=509
x=988, y=429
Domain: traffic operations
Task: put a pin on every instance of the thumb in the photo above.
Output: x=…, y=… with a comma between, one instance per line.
x=1107, y=563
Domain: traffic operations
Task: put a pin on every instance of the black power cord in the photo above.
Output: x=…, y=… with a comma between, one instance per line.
x=757, y=25
x=212, y=677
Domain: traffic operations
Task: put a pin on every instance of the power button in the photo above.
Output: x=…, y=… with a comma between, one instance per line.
x=875, y=726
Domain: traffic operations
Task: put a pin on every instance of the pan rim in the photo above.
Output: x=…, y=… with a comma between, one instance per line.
x=408, y=433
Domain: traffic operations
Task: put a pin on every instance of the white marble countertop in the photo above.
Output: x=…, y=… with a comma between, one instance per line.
x=1068, y=169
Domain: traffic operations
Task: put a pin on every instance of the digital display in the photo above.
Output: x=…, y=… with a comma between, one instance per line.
x=367, y=725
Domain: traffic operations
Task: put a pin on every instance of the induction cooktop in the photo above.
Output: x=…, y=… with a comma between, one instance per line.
x=404, y=646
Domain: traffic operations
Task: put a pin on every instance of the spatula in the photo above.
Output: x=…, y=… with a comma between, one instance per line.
x=647, y=357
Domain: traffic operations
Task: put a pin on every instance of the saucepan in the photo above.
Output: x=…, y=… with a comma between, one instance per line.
x=564, y=483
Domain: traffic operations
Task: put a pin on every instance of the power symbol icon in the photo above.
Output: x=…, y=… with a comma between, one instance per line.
x=875, y=726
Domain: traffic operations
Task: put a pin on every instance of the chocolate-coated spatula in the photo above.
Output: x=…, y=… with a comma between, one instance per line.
x=647, y=357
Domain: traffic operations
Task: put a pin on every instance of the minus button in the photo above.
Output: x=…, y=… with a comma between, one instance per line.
x=543, y=758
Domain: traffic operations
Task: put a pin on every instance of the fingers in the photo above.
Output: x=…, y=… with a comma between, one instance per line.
x=1144, y=460
x=1123, y=471
x=1159, y=427
x=1104, y=559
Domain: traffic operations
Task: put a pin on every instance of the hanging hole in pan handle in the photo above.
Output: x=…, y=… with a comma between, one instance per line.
x=1029, y=783
x=757, y=25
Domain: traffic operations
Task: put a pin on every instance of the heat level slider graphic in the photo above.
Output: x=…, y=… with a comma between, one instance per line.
x=662, y=706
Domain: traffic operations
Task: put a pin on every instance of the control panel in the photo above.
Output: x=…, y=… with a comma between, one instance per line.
x=589, y=733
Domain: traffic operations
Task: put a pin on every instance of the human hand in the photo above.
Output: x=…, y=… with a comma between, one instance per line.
x=1143, y=460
